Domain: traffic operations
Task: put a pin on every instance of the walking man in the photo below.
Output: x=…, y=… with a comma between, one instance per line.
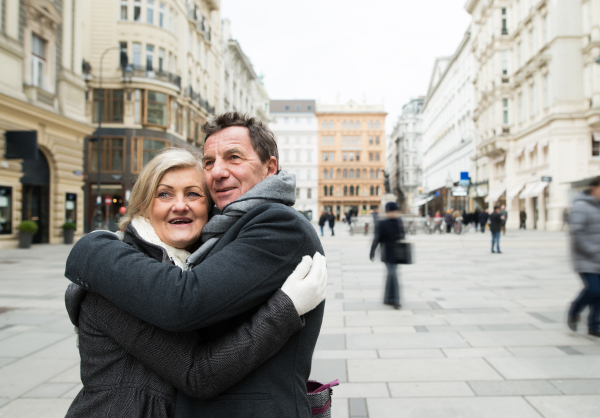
x=584, y=223
x=322, y=221
x=483, y=218
x=331, y=221
x=504, y=217
x=388, y=231
x=522, y=219
x=449, y=221
x=495, y=227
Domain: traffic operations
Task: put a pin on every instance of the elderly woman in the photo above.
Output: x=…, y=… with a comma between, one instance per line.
x=134, y=368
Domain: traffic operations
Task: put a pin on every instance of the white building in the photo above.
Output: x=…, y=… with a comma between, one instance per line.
x=295, y=127
x=537, y=106
x=243, y=90
x=404, y=156
x=448, y=131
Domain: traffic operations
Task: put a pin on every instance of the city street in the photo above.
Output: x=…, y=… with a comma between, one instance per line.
x=479, y=335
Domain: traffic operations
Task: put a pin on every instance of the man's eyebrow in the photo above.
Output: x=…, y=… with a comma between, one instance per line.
x=233, y=151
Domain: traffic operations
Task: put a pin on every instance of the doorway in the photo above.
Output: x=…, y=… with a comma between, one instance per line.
x=36, y=196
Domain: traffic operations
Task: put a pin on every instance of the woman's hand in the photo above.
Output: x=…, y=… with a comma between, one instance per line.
x=307, y=285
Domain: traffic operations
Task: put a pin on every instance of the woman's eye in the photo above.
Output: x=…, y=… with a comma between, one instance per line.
x=163, y=195
x=194, y=194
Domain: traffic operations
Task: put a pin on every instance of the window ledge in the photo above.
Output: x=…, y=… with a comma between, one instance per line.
x=41, y=97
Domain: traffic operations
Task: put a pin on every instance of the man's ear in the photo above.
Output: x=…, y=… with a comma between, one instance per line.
x=271, y=166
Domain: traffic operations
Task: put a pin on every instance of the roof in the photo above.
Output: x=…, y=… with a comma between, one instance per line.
x=351, y=107
x=293, y=106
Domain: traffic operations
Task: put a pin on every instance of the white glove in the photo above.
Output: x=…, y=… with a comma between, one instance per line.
x=307, y=285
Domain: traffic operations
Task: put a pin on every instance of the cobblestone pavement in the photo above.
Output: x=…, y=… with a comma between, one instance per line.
x=479, y=335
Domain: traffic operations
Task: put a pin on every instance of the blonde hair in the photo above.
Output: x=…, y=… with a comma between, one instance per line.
x=142, y=193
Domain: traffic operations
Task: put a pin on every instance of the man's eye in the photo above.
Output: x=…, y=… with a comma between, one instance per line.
x=235, y=157
x=207, y=163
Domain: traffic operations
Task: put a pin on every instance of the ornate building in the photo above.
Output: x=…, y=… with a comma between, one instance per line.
x=351, y=157
x=42, y=117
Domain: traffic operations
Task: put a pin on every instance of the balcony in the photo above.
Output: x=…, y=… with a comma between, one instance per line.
x=146, y=72
x=195, y=97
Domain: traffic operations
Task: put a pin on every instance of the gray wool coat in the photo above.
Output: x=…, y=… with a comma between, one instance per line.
x=584, y=224
x=130, y=368
x=247, y=265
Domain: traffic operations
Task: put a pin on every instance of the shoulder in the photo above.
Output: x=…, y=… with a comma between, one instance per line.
x=279, y=217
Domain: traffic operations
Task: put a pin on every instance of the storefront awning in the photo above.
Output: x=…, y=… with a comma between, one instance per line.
x=528, y=189
x=514, y=191
x=495, y=194
x=537, y=190
x=423, y=201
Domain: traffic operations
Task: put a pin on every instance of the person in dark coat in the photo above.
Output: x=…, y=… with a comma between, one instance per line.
x=476, y=218
x=496, y=228
x=483, y=219
x=331, y=221
x=449, y=220
x=322, y=221
x=522, y=219
x=252, y=243
x=132, y=360
x=388, y=231
x=584, y=224
x=504, y=217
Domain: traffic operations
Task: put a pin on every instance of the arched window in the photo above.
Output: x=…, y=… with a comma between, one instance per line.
x=358, y=173
x=351, y=174
x=330, y=190
x=351, y=190
x=325, y=190
x=331, y=125
x=372, y=174
x=377, y=173
x=325, y=173
x=324, y=124
x=357, y=124
x=331, y=173
x=357, y=190
x=344, y=125
x=345, y=173
x=370, y=124
x=351, y=125
x=377, y=125
x=372, y=190
x=377, y=190
x=345, y=190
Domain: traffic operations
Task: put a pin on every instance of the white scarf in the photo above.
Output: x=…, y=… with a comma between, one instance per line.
x=146, y=231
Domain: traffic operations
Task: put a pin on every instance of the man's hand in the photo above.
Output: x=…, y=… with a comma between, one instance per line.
x=307, y=285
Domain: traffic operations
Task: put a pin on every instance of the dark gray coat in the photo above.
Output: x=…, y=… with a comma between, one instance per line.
x=248, y=264
x=132, y=368
x=584, y=224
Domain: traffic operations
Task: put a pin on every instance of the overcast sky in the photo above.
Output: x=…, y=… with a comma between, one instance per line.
x=383, y=50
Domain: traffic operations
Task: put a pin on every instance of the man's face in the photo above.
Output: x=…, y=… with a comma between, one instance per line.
x=595, y=191
x=231, y=166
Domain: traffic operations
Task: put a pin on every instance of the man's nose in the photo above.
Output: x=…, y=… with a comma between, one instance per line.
x=219, y=170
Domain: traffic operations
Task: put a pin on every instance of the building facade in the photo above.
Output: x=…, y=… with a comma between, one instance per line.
x=243, y=91
x=448, y=130
x=404, y=156
x=42, y=102
x=295, y=127
x=160, y=66
x=537, y=103
x=351, y=157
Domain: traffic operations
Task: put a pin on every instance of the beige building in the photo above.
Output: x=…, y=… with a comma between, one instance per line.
x=537, y=104
x=161, y=79
x=42, y=110
x=351, y=157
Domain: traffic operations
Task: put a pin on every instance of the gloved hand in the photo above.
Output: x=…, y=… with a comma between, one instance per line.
x=307, y=285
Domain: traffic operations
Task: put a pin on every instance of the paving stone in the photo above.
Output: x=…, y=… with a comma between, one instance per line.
x=476, y=352
x=358, y=408
x=514, y=388
x=536, y=351
x=578, y=386
x=417, y=340
x=331, y=342
x=73, y=392
x=410, y=353
x=568, y=367
x=344, y=354
x=566, y=406
x=50, y=390
x=521, y=338
x=327, y=370
x=35, y=408
x=27, y=343
x=25, y=374
x=429, y=389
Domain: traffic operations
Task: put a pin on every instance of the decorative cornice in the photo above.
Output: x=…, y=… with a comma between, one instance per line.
x=43, y=11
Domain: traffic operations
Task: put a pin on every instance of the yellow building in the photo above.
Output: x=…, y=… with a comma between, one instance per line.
x=42, y=102
x=351, y=157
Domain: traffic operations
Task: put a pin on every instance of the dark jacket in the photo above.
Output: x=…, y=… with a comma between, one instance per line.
x=522, y=216
x=483, y=217
x=323, y=219
x=133, y=367
x=249, y=263
x=331, y=220
x=495, y=222
x=387, y=231
x=585, y=233
x=448, y=218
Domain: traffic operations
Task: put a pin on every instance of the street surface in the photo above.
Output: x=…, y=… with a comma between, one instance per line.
x=479, y=335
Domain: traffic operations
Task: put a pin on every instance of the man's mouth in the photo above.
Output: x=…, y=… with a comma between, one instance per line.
x=179, y=221
x=225, y=189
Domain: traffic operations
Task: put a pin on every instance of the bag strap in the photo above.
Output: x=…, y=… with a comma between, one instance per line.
x=321, y=409
x=321, y=388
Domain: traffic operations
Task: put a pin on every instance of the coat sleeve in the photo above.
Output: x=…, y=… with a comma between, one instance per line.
x=376, y=238
x=201, y=369
x=402, y=232
x=241, y=275
x=578, y=225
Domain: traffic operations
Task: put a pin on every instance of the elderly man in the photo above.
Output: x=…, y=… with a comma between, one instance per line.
x=250, y=246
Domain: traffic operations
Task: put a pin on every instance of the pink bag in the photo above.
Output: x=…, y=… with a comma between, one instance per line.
x=319, y=397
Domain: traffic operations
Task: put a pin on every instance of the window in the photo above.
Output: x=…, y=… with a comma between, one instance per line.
x=309, y=193
x=351, y=174
x=351, y=190
x=112, y=106
x=308, y=156
x=358, y=141
x=344, y=156
x=171, y=20
x=308, y=121
x=324, y=190
x=331, y=173
x=358, y=173
x=377, y=191
x=112, y=154
x=351, y=140
x=137, y=117
x=331, y=125
x=357, y=124
x=38, y=61
x=345, y=175
x=5, y=210
x=372, y=174
x=156, y=108
x=325, y=156
x=324, y=124
x=330, y=190
x=377, y=125
x=298, y=157
x=325, y=141
x=136, y=49
x=137, y=10
x=331, y=140
x=298, y=140
x=532, y=45
x=351, y=156
x=149, y=57
x=504, y=22
x=331, y=156
x=357, y=190
x=150, y=11
x=161, y=60
x=376, y=140
x=325, y=174
x=372, y=190
x=377, y=174
x=144, y=150
x=504, y=56
x=370, y=156
x=532, y=100
x=344, y=141
x=345, y=190
x=297, y=121
x=350, y=125
x=376, y=156
x=370, y=124
x=285, y=120
x=161, y=15
x=344, y=125
x=123, y=10
x=505, y=111
x=595, y=146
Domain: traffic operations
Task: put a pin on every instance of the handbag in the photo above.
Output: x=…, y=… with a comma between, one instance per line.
x=400, y=252
x=319, y=397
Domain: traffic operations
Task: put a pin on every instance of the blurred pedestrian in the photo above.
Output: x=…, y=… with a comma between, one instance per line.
x=504, y=217
x=495, y=228
x=389, y=231
x=449, y=221
x=331, y=221
x=322, y=221
x=565, y=219
x=483, y=218
x=522, y=219
x=584, y=225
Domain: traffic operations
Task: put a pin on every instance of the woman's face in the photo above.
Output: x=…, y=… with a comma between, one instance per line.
x=179, y=210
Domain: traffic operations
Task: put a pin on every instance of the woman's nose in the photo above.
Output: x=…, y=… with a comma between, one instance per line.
x=180, y=205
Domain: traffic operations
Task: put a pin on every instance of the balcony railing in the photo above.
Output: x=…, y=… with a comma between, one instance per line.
x=149, y=72
x=195, y=96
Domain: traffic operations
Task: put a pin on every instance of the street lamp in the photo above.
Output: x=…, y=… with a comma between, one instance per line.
x=99, y=142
